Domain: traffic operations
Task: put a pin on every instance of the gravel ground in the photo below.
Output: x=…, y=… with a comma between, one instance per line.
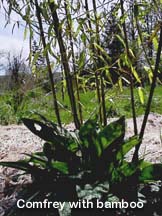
x=151, y=148
x=17, y=139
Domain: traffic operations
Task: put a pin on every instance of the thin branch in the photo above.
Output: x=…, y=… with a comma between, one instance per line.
x=130, y=74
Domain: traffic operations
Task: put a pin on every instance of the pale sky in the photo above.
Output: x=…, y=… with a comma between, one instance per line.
x=12, y=42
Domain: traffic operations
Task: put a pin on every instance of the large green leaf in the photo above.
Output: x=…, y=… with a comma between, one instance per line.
x=61, y=166
x=51, y=133
x=23, y=165
x=110, y=139
x=152, y=172
x=113, y=132
x=68, y=138
x=38, y=161
x=40, y=129
x=88, y=136
x=128, y=168
x=126, y=147
x=64, y=155
x=88, y=132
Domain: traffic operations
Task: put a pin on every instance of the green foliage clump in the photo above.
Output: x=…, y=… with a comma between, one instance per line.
x=93, y=156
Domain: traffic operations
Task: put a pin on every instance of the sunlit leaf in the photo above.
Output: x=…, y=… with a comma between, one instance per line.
x=120, y=84
x=102, y=51
x=155, y=43
x=135, y=74
x=154, y=33
x=25, y=32
x=61, y=166
x=149, y=72
x=141, y=95
x=132, y=54
x=126, y=147
x=111, y=133
x=151, y=173
x=121, y=40
x=88, y=133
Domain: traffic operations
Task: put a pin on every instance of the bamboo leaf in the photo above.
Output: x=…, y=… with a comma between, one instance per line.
x=155, y=43
x=141, y=95
x=132, y=54
x=102, y=51
x=13, y=27
x=36, y=56
x=149, y=72
x=121, y=40
x=81, y=59
x=154, y=33
x=135, y=74
x=107, y=72
x=120, y=84
x=25, y=32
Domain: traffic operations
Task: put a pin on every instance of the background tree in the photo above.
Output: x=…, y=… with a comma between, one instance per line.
x=18, y=74
x=39, y=59
x=111, y=42
x=16, y=70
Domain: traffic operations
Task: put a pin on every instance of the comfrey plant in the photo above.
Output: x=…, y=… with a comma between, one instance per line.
x=85, y=164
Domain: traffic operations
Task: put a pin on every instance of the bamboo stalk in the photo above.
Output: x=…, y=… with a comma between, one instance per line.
x=130, y=74
x=64, y=59
x=103, y=104
x=74, y=63
x=93, y=51
x=38, y=14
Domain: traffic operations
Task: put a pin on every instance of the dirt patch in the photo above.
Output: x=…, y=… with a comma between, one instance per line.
x=17, y=139
x=151, y=148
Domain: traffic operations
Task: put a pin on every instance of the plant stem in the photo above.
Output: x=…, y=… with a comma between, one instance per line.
x=103, y=104
x=93, y=51
x=38, y=14
x=64, y=59
x=142, y=44
x=68, y=16
x=130, y=74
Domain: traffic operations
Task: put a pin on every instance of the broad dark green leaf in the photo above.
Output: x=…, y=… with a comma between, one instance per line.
x=110, y=139
x=38, y=128
x=88, y=132
x=151, y=173
x=69, y=138
x=126, y=147
x=128, y=168
x=88, y=136
x=23, y=165
x=48, y=151
x=37, y=160
x=51, y=133
x=61, y=166
x=113, y=132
